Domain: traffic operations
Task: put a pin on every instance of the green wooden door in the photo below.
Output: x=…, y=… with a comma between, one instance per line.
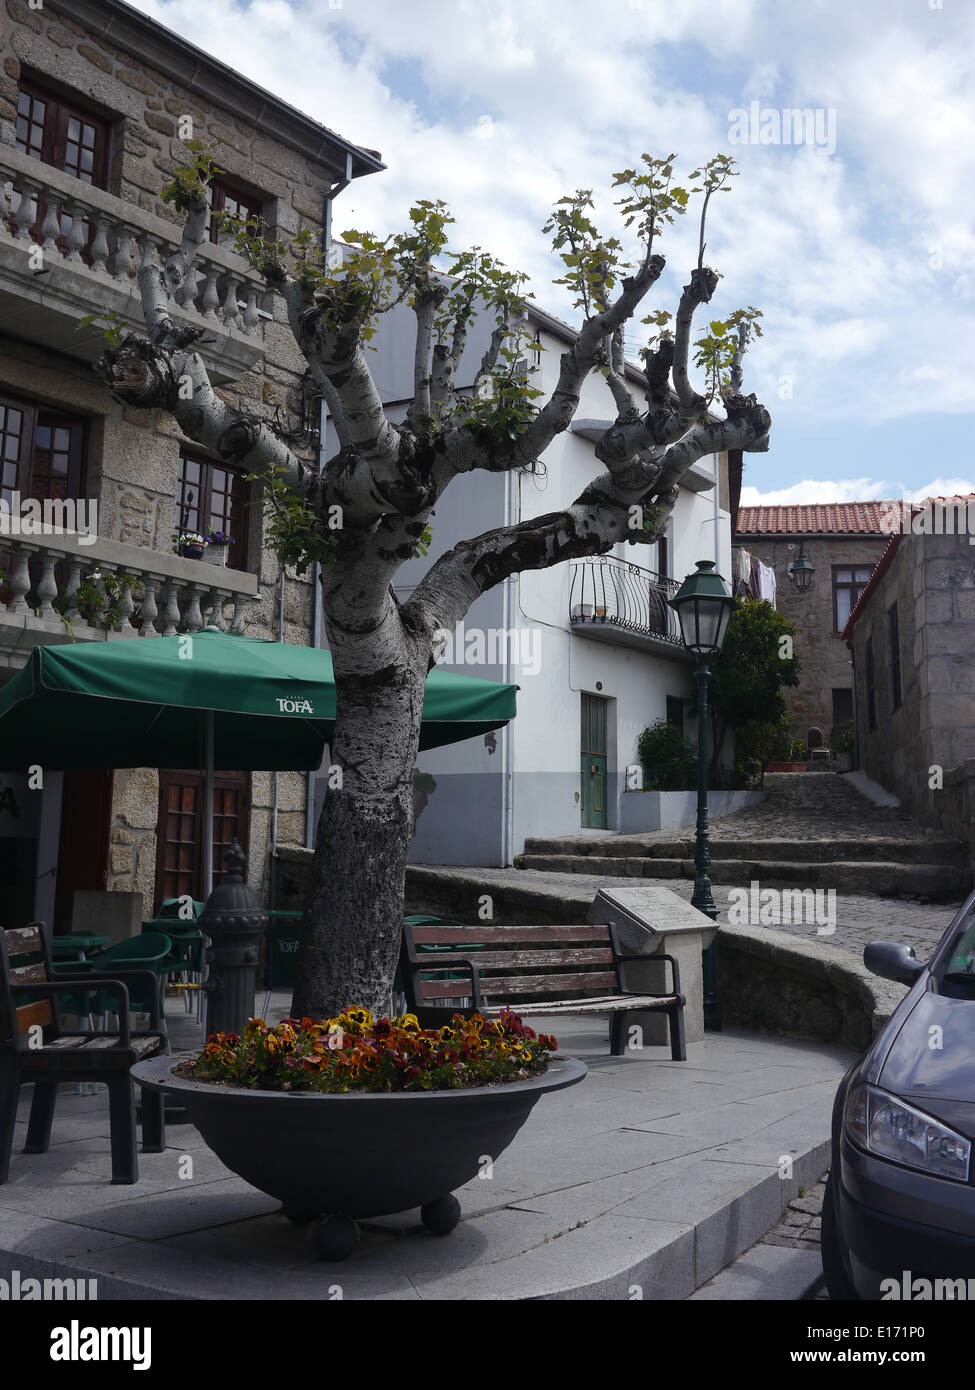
x=593, y=765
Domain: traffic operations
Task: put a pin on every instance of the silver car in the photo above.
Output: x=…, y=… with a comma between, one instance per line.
x=899, y=1212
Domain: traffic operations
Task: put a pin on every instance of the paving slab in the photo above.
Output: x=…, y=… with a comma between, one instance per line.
x=642, y=1182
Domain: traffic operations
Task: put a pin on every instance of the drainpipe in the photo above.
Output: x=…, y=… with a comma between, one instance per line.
x=335, y=188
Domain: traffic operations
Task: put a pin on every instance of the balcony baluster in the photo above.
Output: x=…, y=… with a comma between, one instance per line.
x=26, y=214
x=149, y=610
x=47, y=588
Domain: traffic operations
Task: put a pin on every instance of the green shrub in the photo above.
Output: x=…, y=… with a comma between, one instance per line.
x=844, y=738
x=669, y=760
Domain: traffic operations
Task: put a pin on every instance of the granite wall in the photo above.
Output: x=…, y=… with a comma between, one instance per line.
x=920, y=750
x=822, y=653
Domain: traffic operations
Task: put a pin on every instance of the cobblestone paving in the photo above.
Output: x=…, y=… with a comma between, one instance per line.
x=802, y=806
x=801, y=1226
x=819, y=806
x=808, y=806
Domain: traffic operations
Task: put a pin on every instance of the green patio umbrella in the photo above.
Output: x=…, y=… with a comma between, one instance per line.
x=208, y=700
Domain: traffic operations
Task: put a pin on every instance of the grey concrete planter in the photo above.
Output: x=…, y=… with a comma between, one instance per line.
x=358, y=1155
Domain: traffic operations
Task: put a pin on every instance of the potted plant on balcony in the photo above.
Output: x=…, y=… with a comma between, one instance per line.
x=356, y=1117
x=218, y=545
x=189, y=544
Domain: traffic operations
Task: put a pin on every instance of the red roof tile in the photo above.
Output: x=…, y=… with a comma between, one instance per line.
x=829, y=518
x=821, y=518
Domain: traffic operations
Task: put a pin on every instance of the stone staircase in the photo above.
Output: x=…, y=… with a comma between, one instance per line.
x=815, y=831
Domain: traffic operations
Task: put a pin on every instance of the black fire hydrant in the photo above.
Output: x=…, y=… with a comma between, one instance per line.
x=235, y=923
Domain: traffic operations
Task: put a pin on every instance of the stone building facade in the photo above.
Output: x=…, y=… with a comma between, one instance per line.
x=843, y=542
x=96, y=102
x=912, y=634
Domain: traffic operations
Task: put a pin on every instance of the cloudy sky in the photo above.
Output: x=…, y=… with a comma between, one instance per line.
x=858, y=244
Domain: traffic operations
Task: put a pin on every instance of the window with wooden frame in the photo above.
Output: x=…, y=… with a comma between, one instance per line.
x=179, y=828
x=212, y=497
x=849, y=583
x=62, y=132
x=65, y=134
x=226, y=197
x=42, y=451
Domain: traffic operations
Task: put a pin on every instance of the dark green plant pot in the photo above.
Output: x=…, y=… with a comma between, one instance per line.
x=359, y=1155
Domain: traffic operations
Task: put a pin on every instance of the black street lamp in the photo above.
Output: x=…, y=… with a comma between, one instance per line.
x=703, y=604
x=801, y=570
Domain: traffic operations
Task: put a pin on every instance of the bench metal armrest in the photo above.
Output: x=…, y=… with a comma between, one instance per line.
x=155, y=1013
x=648, y=960
x=119, y=977
x=426, y=963
x=473, y=970
x=70, y=986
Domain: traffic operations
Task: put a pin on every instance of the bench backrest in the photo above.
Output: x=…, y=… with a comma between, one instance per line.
x=514, y=962
x=24, y=959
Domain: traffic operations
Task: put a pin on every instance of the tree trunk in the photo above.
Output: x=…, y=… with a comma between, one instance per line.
x=353, y=918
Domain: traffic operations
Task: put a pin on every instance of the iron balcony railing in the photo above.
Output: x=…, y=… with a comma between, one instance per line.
x=604, y=590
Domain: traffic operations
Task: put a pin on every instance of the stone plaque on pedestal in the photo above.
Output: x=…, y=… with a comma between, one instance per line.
x=655, y=921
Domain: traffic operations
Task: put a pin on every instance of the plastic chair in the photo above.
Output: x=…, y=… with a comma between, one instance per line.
x=186, y=958
x=152, y=951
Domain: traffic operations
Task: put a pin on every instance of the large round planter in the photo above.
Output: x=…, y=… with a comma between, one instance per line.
x=358, y=1154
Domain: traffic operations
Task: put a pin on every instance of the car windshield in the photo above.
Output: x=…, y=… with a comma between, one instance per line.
x=961, y=959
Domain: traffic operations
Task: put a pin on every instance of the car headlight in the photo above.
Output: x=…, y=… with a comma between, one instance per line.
x=887, y=1127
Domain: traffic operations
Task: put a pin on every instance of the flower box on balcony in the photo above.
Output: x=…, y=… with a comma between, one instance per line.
x=581, y=611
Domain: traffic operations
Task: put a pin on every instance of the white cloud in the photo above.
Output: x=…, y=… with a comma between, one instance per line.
x=812, y=490
x=862, y=261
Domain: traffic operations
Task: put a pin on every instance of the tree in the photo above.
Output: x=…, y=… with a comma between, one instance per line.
x=748, y=673
x=386, y=479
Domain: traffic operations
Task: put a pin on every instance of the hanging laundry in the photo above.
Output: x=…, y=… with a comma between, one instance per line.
x=766, y=579
x=741, y=568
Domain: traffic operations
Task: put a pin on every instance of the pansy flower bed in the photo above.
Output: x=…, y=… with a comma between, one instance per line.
x=355, y=1052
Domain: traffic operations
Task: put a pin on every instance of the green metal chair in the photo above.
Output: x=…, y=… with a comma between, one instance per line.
x=186, y=958
x=152, y=951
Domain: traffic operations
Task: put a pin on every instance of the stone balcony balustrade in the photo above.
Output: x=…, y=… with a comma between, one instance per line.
x=53, y=276
x=43, y=575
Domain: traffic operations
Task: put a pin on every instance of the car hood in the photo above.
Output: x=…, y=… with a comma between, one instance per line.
x=932, y=1060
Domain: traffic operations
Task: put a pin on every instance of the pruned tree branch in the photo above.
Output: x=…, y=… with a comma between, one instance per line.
x=698, y=290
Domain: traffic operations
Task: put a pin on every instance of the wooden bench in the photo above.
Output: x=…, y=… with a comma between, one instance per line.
x=34, y=1047
x=538, y=971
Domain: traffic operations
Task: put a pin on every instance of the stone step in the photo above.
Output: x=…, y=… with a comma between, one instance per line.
x=849, y=850
x=935, y=882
